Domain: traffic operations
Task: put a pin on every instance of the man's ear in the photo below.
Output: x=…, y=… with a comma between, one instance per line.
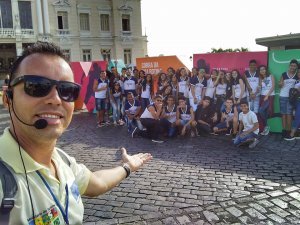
x=5, y=99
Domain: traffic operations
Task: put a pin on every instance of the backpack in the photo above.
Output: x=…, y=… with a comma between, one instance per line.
x=10, y=188
x=294, y=93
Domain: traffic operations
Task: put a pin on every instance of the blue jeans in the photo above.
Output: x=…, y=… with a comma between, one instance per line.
x=296, y=122
x=131, y=124
x=116, y=109
x=263, y=112
x=254, y=104
x=239, y=140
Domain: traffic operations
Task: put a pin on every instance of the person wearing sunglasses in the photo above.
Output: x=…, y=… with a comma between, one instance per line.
x=40, y=99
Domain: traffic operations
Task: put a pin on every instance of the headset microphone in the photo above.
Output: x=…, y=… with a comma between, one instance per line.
x=39, y=124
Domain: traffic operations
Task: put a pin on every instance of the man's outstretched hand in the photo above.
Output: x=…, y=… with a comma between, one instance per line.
x=135, y=161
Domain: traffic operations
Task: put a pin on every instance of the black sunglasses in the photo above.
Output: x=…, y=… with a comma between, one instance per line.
x=38, y=86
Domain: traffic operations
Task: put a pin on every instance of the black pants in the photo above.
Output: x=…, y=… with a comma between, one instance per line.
x=153, y=128
x=203, y=129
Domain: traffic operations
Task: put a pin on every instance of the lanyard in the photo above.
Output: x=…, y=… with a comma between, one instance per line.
x=63, y=212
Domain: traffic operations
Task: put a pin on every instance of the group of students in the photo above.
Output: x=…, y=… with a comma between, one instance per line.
x=198, y=103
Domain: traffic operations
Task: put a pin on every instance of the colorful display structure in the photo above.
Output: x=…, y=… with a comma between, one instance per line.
x=85, y=73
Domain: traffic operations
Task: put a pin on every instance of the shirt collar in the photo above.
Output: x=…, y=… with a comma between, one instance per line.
x=10, y=154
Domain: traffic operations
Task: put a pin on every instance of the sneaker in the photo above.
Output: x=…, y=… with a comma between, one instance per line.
x=193, y=134
x=289, y=138
x=115, y=123
x=121, y=122
x=107, y=123
x=254, y=143
x=157, y=140
x=134, y=132
x=228, y=133
x=100, y=125
x=266, y=131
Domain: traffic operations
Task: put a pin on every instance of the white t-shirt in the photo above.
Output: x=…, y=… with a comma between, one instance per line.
x=288, y=83
x=210, y=89
x=249, y=119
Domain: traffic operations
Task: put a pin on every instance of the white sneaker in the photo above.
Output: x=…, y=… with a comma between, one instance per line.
x=254, y=143
x=266, y=131
x=157, y=141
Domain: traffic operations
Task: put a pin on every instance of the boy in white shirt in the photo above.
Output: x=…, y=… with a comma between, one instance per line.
x=248, y=128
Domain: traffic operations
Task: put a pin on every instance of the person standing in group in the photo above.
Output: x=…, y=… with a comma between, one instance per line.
x=210, y=88
x=287, y=81
x=162, y=82
x=115, y=101
x=220, y=92
x=266, y=105
x=174, y=85
x=296, y=121
x=183, y=84
x=146, y=91
x=197, y=90
x=101, y=90
x=238, y=89
x=248, y=127
x=253, y=86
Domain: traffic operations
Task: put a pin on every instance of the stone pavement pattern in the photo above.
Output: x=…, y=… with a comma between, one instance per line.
x=189, y=181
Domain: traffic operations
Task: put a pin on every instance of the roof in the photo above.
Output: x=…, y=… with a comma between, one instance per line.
x=280, y=40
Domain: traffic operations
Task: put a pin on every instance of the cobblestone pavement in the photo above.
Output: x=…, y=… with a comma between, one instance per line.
x=189, y=181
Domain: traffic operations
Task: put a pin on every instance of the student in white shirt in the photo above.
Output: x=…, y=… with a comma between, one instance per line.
x=287, y=81
x=248, y=128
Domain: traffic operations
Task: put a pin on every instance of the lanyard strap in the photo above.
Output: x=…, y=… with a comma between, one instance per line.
x=63, y=212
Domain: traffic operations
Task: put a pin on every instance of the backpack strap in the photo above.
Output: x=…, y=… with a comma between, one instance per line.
x=9, y=188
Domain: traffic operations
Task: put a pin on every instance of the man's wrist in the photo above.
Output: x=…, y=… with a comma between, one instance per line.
x=127, y=169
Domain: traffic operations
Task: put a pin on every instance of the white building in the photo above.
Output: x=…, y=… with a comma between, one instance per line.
x=87, y=30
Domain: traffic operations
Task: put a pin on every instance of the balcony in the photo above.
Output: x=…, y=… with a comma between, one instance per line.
x=7, y=32
x=27, y=32
x=63, y=32
x=126, y=36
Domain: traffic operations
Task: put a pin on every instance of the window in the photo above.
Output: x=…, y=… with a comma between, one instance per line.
x=5, y=14
x=25, y=14
x=86, y=55
x=67, y=54
x=84, y=21
x=104, y=21
x=125, y=23
x=105, y=54
x=62, y=20
x=127, y=56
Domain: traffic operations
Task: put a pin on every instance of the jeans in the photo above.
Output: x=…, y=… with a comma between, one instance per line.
x=263, y=112
x=254, y=104
x=153, y=128
x=239, y=140
x=296, y=122
x=167, y=126
x=133, y=123
x=116, y=109
x=144, y=103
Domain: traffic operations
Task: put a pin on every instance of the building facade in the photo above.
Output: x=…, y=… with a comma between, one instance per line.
x=280, y=42
x=86, y=30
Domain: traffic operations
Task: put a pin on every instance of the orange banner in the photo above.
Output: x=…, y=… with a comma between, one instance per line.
x=155, y=65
